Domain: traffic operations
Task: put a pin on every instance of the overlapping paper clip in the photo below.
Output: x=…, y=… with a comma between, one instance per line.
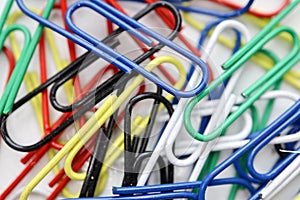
x=147, y=112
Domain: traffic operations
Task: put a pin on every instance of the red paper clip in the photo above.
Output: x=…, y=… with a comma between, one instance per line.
x=255, y=12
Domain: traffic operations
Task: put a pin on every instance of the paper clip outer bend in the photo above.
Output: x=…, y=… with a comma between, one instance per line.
x=114, y=57
x=72, y=52
x=10, y=93
x=90, y=127
x=262, y=85
x=266, y=176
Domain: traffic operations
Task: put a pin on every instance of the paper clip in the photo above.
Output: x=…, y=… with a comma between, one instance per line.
x=11, y=61
x=222, y=109
x=171, y=131
x=133, y=156
x=261, y=34
x=293, y=76
x=58, y=127
x=214, y=13
x=59, y=62
x=85, y=99
x=281, y=180
x=235, y=144
x=29, y=46
x=254, y=11
x=126, y=23
x=99, y=153
x=262, y=85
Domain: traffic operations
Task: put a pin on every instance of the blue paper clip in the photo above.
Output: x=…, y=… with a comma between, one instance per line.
x=289, y=117
x=163, y=191
x=214, y=13
x=111, y=55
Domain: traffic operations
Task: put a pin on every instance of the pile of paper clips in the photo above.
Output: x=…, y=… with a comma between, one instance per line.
x=107, y=99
